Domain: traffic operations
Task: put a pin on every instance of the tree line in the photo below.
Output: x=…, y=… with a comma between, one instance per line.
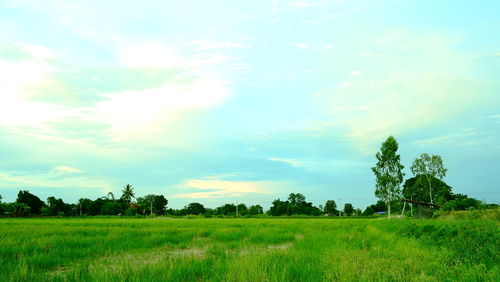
x=28, y=204
x=425, y=187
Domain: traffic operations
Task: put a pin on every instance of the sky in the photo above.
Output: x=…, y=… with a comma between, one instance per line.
x=245, y=101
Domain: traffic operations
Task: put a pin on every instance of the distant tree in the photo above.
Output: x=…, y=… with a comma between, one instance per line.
x=153, y=203
x=368, y=211
x=255, y=209
x=296, y=199
x=84, y=206
x=348, y=209
x=55, y=206
x=194, y=208
x=226, y=209
x=279, y=208
x=111, y=208
x=380, y=206
x=111, y=196
x=96, y=206
x=430, y=167
x=34, y=203
x=388, y=172
x=127, y=194
x=20, y=209
x=417, y=189
x=330, y=207
x=461, y=202
x=242, y=209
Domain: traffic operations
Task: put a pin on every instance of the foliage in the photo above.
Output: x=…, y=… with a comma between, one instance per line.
x=461, y=202
x=111, y=208
x=417, y=189
x=330, y=208
x=193, y=208
x=158, y=203
x=388, y=172
x=295, y=205
x=56, y=207
x=227, y=209
x=255, y=210
x=33, y=202
x=430, y=167
x=348, y=209
x=127, y=193
x=368, y=211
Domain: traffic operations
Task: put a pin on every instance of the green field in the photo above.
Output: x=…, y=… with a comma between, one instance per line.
x=149, y=249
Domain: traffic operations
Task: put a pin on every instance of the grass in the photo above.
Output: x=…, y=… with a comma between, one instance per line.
x=112, y=249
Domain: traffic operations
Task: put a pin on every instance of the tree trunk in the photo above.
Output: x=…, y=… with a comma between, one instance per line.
x=430, y=187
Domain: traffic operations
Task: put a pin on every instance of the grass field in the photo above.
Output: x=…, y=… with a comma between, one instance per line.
x=101, y=249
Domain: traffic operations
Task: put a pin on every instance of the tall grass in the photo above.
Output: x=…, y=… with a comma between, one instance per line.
x=108, y=249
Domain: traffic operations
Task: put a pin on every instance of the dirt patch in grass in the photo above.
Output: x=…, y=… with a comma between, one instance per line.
x=284, y=246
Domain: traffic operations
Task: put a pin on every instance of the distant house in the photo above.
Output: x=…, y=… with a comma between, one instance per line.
x=383, y=212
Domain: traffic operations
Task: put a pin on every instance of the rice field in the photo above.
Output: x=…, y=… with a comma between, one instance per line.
x=260, y=249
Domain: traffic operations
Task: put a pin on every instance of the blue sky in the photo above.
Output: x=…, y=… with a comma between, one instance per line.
x=248, y=101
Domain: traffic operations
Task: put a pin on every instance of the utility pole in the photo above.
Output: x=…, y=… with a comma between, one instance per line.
x=151, y=207
x=236, y=208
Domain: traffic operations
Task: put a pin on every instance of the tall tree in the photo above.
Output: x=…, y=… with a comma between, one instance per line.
x=388, y=172
x=348, y=209
x=128, y=193
x=330, y=207
x=431, y=167
x=34, y=203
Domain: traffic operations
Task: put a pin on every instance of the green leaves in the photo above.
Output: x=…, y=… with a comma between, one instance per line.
x=388, y=170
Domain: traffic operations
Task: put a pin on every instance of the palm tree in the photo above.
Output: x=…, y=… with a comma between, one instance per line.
x=112, y=196
x=128, y=193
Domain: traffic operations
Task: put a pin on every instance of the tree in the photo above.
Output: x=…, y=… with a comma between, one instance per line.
x=348, y=209
x=33, y=202
x=417, y=189
x=278, y=208
x=388, y=172
x=330, y=207
x=226, y=209
x=55, y=206
x=153, y=203
x=431, y=167
x=256, y=209
x=127, y=193
x=368, y=211
x=111, y=208
x=194, y=208
x=461, y=202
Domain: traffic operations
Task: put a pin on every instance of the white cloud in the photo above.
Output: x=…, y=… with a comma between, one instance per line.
x=16, y=79
x=38, y=51
x=151, y=55
x=355, y=72
x=67, y=169
x=54, y=179
x=418, y=83
x=226, y=188
x=140, y=111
